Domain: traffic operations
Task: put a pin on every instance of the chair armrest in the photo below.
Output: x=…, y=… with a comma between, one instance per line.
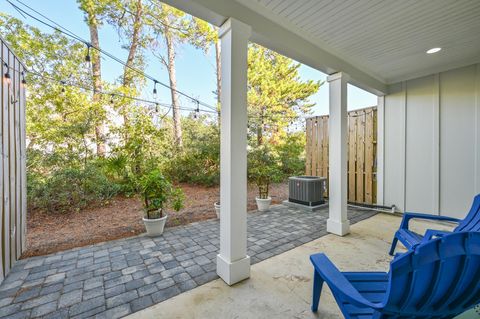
x=338, y=283
x=430, y=233
x=408, y=216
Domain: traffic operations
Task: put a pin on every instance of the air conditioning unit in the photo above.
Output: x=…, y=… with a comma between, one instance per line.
x=306, y=190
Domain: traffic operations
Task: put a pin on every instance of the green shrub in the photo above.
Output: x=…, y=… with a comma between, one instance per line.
x=263, y=169
x=199, y=160
x=291, y=153
x=158, y=193
x=70, y=189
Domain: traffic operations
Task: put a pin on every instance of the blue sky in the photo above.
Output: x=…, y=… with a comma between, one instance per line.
x=195, y=70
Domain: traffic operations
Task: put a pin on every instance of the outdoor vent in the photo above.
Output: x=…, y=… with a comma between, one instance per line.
x=306, y=190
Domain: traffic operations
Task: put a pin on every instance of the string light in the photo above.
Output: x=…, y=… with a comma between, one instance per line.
x=156, y=107
x=59, y=28
x=87, y=57
x=154, y=89
x=6, y=76
x=197, y=111
x=64, y=83
x=24, y=82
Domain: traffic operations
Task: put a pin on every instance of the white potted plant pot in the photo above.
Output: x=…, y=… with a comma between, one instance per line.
x=155, y=226
x=263, y=204
x=217, y=209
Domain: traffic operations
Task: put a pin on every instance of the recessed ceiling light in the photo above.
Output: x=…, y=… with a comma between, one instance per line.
x=433, y=50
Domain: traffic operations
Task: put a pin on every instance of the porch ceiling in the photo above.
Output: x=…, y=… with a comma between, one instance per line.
x=385, y=38
x=377, y=42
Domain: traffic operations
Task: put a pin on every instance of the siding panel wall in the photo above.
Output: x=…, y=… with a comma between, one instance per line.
x=432, y=143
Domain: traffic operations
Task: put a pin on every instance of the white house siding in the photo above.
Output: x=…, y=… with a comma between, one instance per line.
x=432, y=142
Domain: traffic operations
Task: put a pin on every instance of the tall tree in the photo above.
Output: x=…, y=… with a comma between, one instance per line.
x=172, y=25
x=94, y=11
x=276, y=94
x=127, y=16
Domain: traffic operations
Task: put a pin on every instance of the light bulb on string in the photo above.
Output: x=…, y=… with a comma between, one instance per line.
x=111, y=99
x=197, y=111
x=154, y=89
x=156, y=107
x=6, y=76
x=63, y=86
x=24, y=82
x=87, y=57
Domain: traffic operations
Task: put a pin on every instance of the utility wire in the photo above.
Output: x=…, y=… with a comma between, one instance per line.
x=111, y=94
x=72, y=35
x=56, y=26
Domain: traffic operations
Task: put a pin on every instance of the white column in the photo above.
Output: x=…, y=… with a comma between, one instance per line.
x=233, y=264
x=380, y=148
x=337, y=222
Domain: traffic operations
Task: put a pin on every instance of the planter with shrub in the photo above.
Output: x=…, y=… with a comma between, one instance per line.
x=263, y=169
x=158, y=195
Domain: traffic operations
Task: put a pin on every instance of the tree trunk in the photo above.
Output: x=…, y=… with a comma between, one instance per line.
x=97, y=83
x=218, y=64
x=127, y=72
x=177, y=126
x=137, y=28
x=260, y=135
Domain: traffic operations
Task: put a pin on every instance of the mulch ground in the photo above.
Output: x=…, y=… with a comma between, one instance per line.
x=121, y=217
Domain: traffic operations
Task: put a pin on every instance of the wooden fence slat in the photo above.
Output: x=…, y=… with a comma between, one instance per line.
x=319, y=147
x=320, y=154
x=360, y=126
x=369, y=156
x=308, y=147
x=18, y=173
x=314, y=147
x=361, y=153
x=325, y=152
x=12, y=163
x=23, y=165
x=352, y=148
x=6, y=172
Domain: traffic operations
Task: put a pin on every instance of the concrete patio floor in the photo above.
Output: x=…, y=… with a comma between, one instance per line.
x=280, y=287
x=117, y=278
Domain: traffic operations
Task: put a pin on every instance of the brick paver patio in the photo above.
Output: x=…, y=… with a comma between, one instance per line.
x=116, y=278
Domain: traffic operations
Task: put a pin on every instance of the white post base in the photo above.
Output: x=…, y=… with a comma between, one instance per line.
x=233, y=272
x=338, y=228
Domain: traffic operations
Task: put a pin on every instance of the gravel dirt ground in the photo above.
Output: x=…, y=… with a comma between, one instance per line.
x=121, y=217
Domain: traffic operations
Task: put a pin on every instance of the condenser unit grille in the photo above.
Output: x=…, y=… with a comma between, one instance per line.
x=306, y=190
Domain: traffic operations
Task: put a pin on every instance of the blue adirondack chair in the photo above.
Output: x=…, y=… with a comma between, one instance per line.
x=438, y=279
x=410, y=239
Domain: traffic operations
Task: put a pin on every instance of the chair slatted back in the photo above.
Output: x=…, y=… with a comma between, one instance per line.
x=440, y=279
x=472, y=220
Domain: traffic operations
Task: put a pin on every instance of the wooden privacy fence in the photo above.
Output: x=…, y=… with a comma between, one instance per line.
x=362, y=150
x=13, y=203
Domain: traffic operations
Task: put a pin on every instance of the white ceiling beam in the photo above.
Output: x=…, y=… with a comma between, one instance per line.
x=280, y=39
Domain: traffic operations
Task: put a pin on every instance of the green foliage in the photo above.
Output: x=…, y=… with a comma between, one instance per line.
x=157, y=193
x=70, y=188
x=263, y=169
x=65, y=172
x=291, y=153
x=276, y=94
x=199, y=161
